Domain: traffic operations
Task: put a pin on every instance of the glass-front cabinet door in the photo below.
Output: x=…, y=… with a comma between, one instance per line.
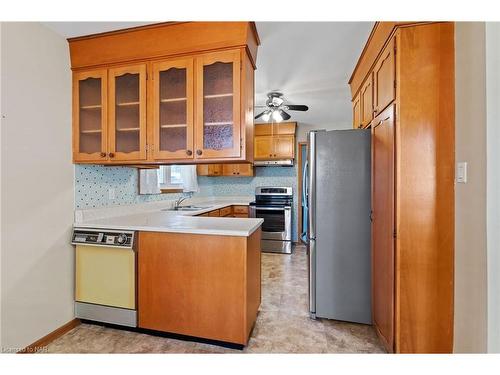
x=173, y=107
x=89, y=116
x=127, y=113
x=218, y=105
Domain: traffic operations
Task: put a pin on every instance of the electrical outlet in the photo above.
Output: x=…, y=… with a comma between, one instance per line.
x=111, y=194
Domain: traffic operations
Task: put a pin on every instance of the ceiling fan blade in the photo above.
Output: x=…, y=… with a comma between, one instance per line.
x=285, y=115
x=259, y=115
x=297, y=107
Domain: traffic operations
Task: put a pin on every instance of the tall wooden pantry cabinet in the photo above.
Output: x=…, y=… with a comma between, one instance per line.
x=405, y=76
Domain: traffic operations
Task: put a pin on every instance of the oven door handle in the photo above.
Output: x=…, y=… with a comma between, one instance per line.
x=272, y=208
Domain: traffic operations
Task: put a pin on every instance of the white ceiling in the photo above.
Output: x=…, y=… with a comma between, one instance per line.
x=310, y=62
x=73, y=29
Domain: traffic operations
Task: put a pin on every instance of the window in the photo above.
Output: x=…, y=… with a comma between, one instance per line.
x=170, y=177
x=174, y=178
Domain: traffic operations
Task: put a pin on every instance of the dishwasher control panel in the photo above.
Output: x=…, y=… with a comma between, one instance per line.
x=100, y=237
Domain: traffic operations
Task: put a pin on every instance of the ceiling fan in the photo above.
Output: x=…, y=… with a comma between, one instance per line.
x=276, y=108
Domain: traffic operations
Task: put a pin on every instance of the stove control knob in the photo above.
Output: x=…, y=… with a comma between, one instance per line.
x=122, y=239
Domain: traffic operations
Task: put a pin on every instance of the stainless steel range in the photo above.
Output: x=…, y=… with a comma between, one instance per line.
x=274, y=205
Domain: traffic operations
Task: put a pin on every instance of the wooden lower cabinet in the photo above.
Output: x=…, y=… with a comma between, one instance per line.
x=226, y=211
x=214, y=213
x=204, y=286
x=240, y=211
x=229, y=211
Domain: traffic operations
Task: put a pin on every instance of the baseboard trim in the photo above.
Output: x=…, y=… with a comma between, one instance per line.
x=47, y=339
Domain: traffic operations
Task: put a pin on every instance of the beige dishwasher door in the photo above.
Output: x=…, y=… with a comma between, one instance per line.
x=105, y=276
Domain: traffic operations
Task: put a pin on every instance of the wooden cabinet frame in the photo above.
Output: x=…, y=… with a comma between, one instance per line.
x=233, y=57
x=158, y=67
x=356, y=112
x=366, y=96
x=101, y=156
x=384, y=225
x=112, y=74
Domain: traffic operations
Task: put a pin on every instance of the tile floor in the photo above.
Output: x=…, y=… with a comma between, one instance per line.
x=282, y=326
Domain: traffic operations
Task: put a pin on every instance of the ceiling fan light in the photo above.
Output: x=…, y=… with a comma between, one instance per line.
x=277, y=116
x=266, y=116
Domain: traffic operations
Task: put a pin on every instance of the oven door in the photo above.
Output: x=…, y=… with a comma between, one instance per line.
x=277, y=221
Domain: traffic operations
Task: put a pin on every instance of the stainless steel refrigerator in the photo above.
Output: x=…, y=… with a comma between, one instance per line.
x=337, y=196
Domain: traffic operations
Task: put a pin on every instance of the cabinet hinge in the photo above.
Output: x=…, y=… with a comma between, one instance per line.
x=394, y=234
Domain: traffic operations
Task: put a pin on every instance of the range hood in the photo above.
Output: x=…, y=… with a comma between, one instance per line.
x=273, y=163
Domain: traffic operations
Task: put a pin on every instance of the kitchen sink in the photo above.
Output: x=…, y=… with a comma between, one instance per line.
x=186, y=208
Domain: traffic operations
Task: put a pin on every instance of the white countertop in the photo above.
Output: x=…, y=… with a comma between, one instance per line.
x=159, y=220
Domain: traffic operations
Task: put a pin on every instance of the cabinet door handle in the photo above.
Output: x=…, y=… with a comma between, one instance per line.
x=111, y=155
x=189, y=152
x=103, y=154
x=199, y=152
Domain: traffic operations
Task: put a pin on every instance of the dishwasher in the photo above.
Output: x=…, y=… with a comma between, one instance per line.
x=105, y=276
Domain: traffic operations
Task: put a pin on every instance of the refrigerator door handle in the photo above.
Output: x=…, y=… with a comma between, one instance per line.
x=304, y=184
x=304, y=234
x=311, y=195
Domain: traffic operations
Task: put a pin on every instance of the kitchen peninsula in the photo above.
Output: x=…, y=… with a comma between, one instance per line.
x=196, y=276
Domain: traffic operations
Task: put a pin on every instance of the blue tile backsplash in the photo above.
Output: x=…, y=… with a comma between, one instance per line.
x=93, y=182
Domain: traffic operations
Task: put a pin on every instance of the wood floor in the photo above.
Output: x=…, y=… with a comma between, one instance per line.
x=283, y=324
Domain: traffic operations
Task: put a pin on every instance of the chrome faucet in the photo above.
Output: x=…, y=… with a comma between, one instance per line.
x=182, y=199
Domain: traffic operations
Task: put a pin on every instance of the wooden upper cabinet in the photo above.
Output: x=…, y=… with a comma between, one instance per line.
x=384, y=79
x=173, y=105
x=209, y=170
x=284, y=147
x=356, y=112
x=217, y=119
x=231, y=170
x=366, y=96
x=90, y=116
x=263, y=147
x=166, y=93
x=237, y=170
x=127, y=113
x=275, y=141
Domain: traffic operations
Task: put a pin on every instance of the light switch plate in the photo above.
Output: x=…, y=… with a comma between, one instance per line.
x=461, y=172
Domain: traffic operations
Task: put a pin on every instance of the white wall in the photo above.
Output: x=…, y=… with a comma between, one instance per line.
x=493, y=181
x=37, y=184
x=470, y=334
x=1, y=127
